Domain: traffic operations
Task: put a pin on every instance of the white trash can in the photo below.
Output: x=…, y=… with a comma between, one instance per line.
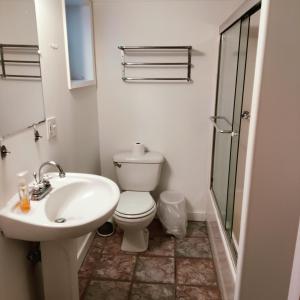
x=172, y=213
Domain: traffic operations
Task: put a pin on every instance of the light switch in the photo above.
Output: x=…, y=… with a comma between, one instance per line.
x=51, y=128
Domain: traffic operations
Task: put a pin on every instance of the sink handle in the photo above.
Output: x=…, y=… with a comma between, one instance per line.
x=4, y=151
x=35, y=177
x=116, y=164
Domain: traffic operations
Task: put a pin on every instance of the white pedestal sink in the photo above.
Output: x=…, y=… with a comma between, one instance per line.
x=83, y=202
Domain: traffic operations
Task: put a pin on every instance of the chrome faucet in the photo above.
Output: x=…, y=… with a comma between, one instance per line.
x=42, y=186
x=52, y=163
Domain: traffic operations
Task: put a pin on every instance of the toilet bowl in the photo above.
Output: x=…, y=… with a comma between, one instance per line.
x=138, y=174
x=134, y=213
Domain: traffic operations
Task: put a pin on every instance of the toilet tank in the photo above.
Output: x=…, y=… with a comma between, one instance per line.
x=138, y=172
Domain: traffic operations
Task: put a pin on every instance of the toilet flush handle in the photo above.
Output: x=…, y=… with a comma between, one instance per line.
x=116, y=164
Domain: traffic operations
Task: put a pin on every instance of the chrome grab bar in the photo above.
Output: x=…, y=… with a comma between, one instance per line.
x=220, y=130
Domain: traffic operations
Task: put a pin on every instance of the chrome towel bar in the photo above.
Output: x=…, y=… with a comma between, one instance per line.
x=166, y=49
x=153, y=64
x=34, y=50
x=154, y=47
x=154, y=78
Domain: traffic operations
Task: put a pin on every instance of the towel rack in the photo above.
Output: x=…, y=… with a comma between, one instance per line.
x=166, y=49
x=4, y=61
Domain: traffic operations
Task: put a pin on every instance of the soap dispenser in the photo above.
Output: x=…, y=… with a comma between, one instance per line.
x=23, y=192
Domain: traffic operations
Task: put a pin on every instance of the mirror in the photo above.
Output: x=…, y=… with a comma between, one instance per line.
x=21, y=94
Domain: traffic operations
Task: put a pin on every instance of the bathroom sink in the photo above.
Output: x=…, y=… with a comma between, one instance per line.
x=76, y=205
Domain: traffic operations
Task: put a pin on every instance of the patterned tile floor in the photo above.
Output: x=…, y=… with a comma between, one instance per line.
x=169, y=269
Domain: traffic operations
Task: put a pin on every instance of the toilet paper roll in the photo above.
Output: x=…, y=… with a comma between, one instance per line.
x=138, y=149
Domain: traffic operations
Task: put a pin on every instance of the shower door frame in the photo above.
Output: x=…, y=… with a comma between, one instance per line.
x=244, y=12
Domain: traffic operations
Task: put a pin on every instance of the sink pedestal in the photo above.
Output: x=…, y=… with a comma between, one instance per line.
x=59, y=267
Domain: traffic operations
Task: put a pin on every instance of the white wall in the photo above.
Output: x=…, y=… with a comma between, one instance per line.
x=270, y=216
x=171, y=118
x=76, y=146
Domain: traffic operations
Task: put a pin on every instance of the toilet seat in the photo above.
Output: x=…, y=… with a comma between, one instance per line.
x=135, y=205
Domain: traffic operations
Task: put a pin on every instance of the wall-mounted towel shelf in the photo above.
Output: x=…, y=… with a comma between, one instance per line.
x=140, y=50
x=27, y=50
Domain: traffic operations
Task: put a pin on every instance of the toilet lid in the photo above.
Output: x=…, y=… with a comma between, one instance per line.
x=135, y=203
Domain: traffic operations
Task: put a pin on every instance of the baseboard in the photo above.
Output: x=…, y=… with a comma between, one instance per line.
x=196, y=216
x=84, y=247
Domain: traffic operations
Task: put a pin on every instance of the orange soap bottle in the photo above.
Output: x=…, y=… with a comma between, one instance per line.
x=23, y=192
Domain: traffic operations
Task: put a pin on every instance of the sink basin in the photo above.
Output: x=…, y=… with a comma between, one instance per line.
x=82, y=202
x=76, y=205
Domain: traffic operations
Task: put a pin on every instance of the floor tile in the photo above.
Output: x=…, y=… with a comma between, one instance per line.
x=197, y=293
x=113, y=244
x=146, y=291
x=161, y=246
x=89, y=262
x=83, y=283
x=196, y=229
x=119, y=267
x=98, y=242
x=108, y=273
x=155, y=269
x=107, y=290
x=193, y=247
x=191, y=271
x=156, y=228
x=95, y=252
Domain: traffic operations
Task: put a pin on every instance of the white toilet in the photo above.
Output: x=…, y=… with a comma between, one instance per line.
x=138, y=174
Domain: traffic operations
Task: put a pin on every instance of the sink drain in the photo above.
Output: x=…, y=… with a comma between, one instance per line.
x=60, y=220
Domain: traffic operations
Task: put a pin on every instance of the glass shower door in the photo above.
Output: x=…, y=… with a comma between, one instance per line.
x=224, y=112
x=232, y=61
x=236, y=124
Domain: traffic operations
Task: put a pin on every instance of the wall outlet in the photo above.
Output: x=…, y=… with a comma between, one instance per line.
x=51, y=128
